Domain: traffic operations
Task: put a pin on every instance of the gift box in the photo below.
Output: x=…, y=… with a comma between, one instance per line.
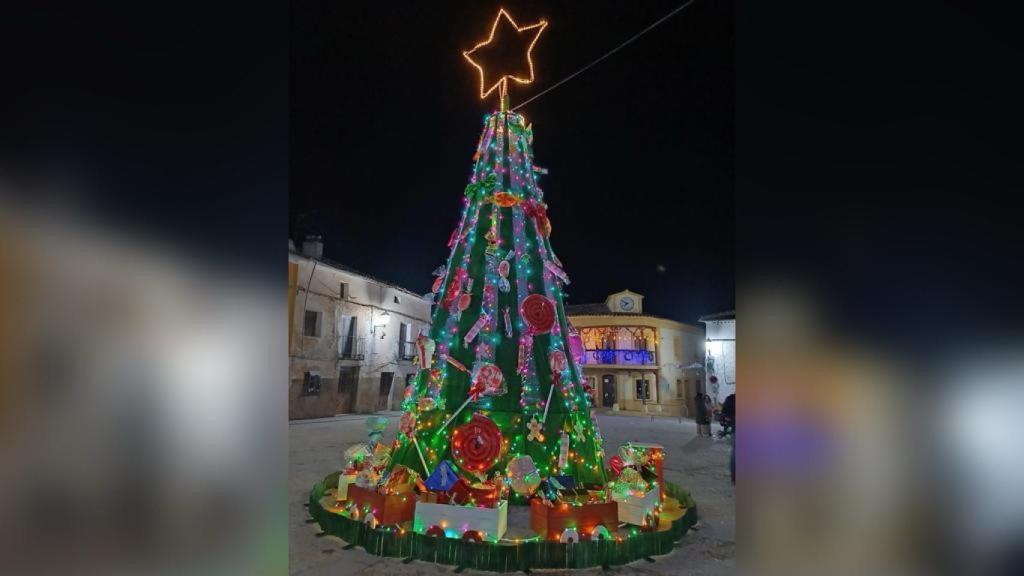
x=386, y=508
x=456, y=521
x=656, y=456
x=344, y=481
x=551, y=521
x=639, y=509
x=443, y=478
x=432, y=497
x=462, y=492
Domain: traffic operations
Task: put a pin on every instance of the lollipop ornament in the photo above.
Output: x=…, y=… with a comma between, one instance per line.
x=487, y=380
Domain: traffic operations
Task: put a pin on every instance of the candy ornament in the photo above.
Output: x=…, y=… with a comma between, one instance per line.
x=523, y=475
x=425, y=351
x=477, y=444
x=536, y=430
x=475, y=329
x=375, y=427
x=438, y=284
x=539, y=312
x=558, y=363
x=503, y=269
x=487, y=379
x=563, y=451
x=616, y=464
x=505, y=200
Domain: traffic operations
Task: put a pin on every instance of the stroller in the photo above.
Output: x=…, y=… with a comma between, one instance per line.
x=727, y=417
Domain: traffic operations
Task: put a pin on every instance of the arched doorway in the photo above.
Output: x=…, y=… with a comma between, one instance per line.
x=608, y=397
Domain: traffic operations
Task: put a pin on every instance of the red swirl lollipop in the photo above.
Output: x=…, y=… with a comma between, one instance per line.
x=407, y=424
x=539, y=313
x=477, y=444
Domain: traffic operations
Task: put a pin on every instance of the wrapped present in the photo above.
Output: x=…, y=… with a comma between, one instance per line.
x=443, y=478
x=651, y=456
x=456, y=521
x=484, y=494
x=367, y=478
x=639, y=508
x=344, y=481
x=401, y=480
x=381, y=455
x=386, y=508
x=550, y=521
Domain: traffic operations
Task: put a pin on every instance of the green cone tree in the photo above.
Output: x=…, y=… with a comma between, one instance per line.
x=499, y=309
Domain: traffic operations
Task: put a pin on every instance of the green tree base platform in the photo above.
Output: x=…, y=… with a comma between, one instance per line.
x=502, y=557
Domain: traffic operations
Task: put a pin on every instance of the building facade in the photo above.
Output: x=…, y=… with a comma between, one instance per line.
x=721, y=354
x=637, y=363
x=351, y=339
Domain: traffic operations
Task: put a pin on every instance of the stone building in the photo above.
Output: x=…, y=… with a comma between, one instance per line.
x=351, y=338
x=638, y=363
x=721, y=354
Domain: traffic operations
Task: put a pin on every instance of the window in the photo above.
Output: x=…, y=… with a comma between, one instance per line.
x=311, y=324
x=643, y=390
x=343, y=290
x=350, y=345
x=398, y=299
x=406, y=348
x=311, y=384
x=348, y=378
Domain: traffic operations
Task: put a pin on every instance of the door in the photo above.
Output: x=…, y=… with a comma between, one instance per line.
x=386, y=379
x=608, y=390
x=348, y=385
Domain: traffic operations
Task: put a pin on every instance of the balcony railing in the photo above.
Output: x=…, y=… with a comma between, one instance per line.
x=406, y=350
x=352, y=348
x=620, y=357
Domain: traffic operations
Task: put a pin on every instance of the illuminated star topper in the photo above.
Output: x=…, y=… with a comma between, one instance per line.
x=479, y=49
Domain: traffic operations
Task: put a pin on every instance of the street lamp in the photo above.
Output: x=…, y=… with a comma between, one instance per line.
x=381, y=321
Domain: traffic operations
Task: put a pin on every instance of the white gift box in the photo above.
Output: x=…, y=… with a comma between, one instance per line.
x=343, y=481
x=633, y=509
x=457, y=520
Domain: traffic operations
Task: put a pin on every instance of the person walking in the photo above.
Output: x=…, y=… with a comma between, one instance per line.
x=702, y=417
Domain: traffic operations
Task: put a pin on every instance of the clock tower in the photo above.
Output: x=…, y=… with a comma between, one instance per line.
x=625, y=302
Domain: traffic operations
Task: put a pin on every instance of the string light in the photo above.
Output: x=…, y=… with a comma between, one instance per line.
x=503, y=79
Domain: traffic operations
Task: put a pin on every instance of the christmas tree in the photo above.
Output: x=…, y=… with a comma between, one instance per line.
x=499, y=337
x=499, y=380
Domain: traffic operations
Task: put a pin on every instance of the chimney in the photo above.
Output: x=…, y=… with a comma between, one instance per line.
x=313, y=246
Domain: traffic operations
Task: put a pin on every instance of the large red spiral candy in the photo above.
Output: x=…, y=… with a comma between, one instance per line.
x=539, y=313
x=477, y=444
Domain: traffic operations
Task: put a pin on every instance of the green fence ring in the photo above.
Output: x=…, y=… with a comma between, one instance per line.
x=502, y=557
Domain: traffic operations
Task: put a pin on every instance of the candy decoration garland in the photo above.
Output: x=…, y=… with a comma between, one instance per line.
x=476, y=445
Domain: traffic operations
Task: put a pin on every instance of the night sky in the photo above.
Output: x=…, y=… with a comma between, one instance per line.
x=385, y=116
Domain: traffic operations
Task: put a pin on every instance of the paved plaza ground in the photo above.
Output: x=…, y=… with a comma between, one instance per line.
x=700, y=465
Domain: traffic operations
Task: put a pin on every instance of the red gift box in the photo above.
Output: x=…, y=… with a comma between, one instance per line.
x=386, y=508
x=486, y=495
x=551, y=521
